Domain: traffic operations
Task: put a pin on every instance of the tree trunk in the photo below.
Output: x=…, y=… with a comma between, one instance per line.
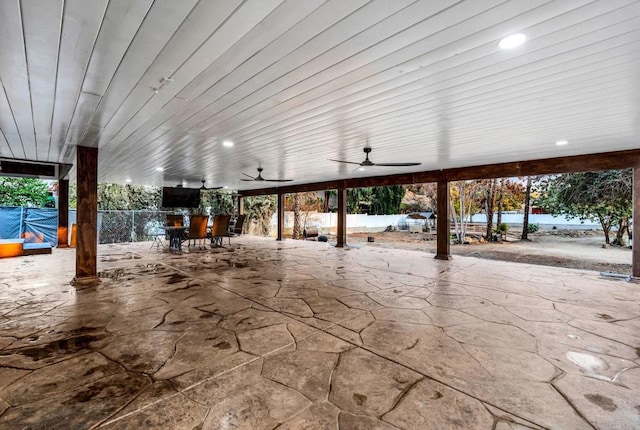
x=500, y=201
x=622, y=227
x=527, y=202
x=297, y=232
x=463, y=224
x=327, y=195
x=489, y=207
x=606, y=228
x=456, y=227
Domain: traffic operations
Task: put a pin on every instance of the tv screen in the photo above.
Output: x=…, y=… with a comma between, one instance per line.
x=180, y=197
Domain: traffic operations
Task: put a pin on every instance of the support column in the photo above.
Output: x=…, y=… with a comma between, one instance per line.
x=635, y=233
x=280, y=216
x=443, y=241
x=63, y=213
x=240, y=205
x=87, y=217
x=342, y=218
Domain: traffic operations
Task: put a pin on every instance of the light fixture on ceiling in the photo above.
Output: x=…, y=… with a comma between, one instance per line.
x=128, y=181
x=361, y=169
x=160, y=169
x=227, y=143
x=163, y=83
x=562, y=142
x=512, y=41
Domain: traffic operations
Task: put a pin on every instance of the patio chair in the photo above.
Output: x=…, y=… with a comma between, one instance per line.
x=156, y=233
x=220, y=230
x=174, y=221
x=237, y=228
x=197, y=229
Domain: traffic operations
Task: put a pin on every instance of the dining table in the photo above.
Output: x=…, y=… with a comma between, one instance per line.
x=176, y=234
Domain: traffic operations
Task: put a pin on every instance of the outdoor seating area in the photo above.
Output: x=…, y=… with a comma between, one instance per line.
x=300, y=334
x=198, y=231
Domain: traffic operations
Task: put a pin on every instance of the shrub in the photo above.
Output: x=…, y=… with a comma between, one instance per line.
x=533, y=228
x=502, y=228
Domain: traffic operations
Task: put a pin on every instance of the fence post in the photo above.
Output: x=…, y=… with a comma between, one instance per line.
x=133, y=226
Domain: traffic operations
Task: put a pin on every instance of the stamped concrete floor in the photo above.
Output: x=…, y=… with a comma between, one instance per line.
x=301, y=335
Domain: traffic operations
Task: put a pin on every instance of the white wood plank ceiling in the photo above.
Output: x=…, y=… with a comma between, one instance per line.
x=162, y=83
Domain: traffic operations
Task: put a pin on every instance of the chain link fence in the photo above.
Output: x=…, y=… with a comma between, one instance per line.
x=130, y=226
x=113, y=226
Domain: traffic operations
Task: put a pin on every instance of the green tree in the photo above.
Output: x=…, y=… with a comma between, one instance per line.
x=386, y=200
x=220, y=202
x=605, y=196
x=113, y=197
x=259, y=211
x=301, y=204
x=358, y=200
x=29, y=192
x=144, y=197
x=375, y=200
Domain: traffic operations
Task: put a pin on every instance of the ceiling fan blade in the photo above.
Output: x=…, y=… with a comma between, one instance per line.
x=346, y=162
x=249, y=176
x=396, y=164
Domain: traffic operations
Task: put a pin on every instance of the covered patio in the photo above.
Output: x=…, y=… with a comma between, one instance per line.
x=303, y=335
x=270, y=334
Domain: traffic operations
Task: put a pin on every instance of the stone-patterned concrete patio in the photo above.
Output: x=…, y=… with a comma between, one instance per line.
x=300, y=335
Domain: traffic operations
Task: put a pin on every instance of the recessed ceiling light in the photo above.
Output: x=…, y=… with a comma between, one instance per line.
x=512, y=41
x=562, y=142
x=225, y=187
x=127, y=180
x=227, y=143
x=160, y=169
x=362, y=169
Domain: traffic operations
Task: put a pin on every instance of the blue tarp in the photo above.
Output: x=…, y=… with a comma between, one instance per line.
x=44, y=221
x=40, y=222
x=11, y=222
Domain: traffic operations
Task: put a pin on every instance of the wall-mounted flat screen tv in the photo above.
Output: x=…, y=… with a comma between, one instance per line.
x=180, y=197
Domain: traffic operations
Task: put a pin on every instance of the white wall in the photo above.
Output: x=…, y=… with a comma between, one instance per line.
x=328, y=222
x=543, y=220
x=363, y=223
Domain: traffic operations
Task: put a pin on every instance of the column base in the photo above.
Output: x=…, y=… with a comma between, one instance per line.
x=62, y=246
x=85, y=281
x=442, y=257
x=341, y=245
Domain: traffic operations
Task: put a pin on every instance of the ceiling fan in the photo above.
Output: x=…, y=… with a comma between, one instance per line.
x=204, y=188
x=369, y=163
x=259, y=178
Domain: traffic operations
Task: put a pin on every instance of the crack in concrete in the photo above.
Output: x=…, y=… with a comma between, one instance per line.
x=569, y=402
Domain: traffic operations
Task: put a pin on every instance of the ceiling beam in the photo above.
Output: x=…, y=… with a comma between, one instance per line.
x=545, y=166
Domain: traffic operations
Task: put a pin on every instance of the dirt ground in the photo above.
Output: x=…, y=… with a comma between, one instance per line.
x=573, y=249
